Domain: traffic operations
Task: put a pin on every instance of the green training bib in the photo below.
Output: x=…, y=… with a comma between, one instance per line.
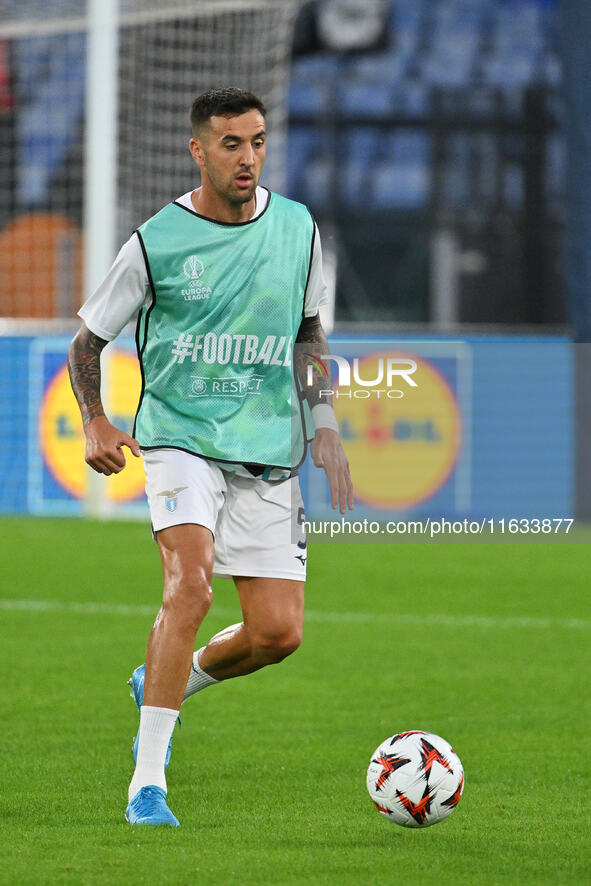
x=215, y=345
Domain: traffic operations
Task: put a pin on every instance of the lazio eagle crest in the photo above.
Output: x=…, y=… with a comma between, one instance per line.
x=171, y=497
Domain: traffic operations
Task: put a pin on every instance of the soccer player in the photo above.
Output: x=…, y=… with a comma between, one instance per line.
x=225, y=279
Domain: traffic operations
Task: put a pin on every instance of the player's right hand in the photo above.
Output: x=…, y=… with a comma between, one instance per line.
x=103, y=446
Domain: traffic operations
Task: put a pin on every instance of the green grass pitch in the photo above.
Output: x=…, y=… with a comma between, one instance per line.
x=487, y=645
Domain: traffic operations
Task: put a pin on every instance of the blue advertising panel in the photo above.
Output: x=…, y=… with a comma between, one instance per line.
x=492, y=433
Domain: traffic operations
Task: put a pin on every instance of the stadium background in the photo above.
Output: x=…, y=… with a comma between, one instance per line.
x=443, y=146
x=440, y=147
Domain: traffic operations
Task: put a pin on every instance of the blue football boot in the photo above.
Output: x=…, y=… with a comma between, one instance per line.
x=149, y=807
x=136, y=681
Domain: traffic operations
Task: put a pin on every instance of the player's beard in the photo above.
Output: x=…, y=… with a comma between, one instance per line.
x=243, y=195
x=228, y=190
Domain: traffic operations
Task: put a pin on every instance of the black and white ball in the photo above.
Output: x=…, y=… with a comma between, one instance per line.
x=415, y=779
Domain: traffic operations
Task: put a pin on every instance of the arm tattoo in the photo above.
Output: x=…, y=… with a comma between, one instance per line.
x=311, y=334
x=84, y=366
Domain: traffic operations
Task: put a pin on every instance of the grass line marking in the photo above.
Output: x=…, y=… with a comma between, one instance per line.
x=312, y=615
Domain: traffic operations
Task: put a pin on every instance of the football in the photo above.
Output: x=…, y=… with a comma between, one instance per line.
x=415, y=779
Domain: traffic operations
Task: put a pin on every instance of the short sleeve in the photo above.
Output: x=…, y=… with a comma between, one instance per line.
x=316, y=293
x=121, y=294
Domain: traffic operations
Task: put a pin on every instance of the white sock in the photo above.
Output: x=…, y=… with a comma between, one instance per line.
x=156, y=725
x=198, y=679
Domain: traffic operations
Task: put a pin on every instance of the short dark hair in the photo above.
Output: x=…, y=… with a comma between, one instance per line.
x=224, y=101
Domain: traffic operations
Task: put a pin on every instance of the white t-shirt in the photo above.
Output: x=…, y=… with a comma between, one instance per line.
x=126, y=287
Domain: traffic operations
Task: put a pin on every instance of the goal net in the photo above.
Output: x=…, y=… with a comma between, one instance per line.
x=167, y=60
x=163, y=54
x=94, y=133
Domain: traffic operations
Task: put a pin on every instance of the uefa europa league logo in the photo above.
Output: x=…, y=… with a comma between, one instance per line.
x=193, y=268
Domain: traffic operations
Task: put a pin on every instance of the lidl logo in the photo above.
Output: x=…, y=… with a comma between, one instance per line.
x=401, y=450
x=61, y=438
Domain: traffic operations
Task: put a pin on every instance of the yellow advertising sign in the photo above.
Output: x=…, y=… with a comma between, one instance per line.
x=401, y=449
x=60, y=429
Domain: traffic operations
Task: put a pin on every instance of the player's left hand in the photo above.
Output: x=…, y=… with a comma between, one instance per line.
x=327, y=452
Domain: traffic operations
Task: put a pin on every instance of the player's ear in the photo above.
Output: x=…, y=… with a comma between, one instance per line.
x=197, y=151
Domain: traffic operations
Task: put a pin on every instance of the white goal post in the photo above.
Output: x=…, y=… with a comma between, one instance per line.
x=98, y=137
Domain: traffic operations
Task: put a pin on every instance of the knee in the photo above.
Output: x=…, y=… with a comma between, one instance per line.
x=187, y=595
x=273, y=646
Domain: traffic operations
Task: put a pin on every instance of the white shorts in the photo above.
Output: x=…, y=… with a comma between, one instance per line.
x=257, y=525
